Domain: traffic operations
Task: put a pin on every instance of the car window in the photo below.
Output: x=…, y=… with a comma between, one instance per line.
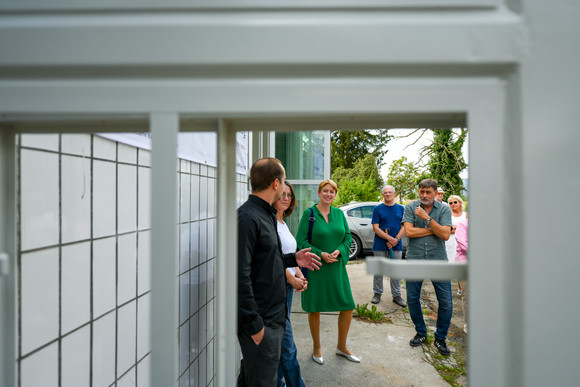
x=367, y=211
x=354, y=213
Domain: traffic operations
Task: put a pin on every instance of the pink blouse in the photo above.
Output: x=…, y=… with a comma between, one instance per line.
x=461, y=239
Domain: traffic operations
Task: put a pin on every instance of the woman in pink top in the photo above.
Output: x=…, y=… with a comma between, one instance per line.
x=461, y=256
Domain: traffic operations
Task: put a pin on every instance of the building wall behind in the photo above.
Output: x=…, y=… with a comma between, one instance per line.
x=84, y=257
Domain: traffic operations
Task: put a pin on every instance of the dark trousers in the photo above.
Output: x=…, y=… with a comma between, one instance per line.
x=260, y=362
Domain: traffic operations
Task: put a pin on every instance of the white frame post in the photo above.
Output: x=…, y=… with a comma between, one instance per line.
x=164, y=289
x=8, y=256
x=227, y=253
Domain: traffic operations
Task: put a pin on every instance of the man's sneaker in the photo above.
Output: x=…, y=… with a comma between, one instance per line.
x=417, y=340
x=376, y=298
x=399, y=301
x=442, y=347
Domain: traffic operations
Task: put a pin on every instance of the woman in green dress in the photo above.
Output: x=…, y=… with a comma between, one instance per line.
x=328, y=288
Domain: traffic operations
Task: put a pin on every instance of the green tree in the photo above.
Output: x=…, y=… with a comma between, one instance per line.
x=446, y=160
x=362, y=182
x=349, y=146
x=403, y=176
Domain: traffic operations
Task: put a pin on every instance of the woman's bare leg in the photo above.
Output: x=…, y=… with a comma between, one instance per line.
x=344, y=319
x=314, y=323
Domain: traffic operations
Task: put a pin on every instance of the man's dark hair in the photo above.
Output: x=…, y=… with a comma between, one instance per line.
x=428, y=183
x=263, y=173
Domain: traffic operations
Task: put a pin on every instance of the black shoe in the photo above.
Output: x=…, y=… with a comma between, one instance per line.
x=442, y=347
x=399, y=301
x=417, y=340
x=376, y=298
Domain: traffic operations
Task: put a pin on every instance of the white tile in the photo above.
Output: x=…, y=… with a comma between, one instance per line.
x=126, y=154
x=202, y=284
x=203, y=181
x=202, y=328
x=211, y=171
x=143, y=371
x=202, y=362
x=104, y=350
x=129, y=379
x=203, y=170
x=104, y=201
x=195, y=197
x=194, y=168
x=203, y=241
x=183, y=347
x=185, y=166
x=210, y=278
x=184, y=250
x=76, y=360
x=144, y=262
x=144, y=192
x=211, y=198
x=183, y=297
x=41, y=141
x=104, y=148
x=126, y=337
x=194, y=291
x=210, y=319
x=41, y=369
x=184, y=197
x=194, y=245
x=76, y=285
x=39, y=199
x=104, y=273
x=194, y=336
x=143, y=325
x=211, y=238
x=127, y=268
x=127, y=198
x=144, y=157
x=76, y=198
x=210, y=370
x=39, y=298
x=76, y=144
x=194, y=374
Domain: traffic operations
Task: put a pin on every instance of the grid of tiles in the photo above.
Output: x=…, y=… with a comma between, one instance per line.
x=84, y=280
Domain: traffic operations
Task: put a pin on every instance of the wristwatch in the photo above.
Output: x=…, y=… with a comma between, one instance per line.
x=428, y=221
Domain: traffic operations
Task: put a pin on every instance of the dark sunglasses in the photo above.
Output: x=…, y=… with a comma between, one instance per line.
x=455, y=202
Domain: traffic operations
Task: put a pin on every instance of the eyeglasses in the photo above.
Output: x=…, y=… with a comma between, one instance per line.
x=455, y=202
x=285, y=195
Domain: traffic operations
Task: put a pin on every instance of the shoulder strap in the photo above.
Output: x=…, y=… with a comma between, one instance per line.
x=310, y=225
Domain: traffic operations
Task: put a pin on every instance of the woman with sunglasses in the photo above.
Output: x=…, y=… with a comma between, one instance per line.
x=289, y=368
x=457, y=215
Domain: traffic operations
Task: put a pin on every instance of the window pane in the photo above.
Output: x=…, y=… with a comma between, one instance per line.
x=302, y=154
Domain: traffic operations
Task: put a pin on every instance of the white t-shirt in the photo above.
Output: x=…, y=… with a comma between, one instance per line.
x=288, y=242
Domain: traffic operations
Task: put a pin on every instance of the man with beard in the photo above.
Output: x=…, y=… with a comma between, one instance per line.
x=261, y=276
x=427, y=224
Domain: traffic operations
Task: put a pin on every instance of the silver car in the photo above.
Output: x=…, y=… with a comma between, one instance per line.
x=359, y=216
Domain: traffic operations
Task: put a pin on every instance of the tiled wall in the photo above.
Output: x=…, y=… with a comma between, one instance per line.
x=84, y=258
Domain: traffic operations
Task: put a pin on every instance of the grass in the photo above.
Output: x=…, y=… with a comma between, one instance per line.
x=373, y=315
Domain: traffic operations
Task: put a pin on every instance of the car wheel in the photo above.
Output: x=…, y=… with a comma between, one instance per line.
x=355, y=247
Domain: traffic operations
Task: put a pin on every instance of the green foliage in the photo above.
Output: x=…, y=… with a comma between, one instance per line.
x=403, y=176
x=362, y=182
x=349, y=146
x=373, y=315
x=446, y=160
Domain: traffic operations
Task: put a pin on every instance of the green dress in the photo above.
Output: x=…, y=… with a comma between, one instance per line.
x=328, y=288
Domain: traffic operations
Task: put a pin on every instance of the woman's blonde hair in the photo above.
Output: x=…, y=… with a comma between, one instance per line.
x=458, y=199
x=325, y=182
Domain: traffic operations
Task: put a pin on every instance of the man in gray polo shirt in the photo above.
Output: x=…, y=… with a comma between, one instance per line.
x=427, y=224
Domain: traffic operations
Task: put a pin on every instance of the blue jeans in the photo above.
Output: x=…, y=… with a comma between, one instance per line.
x=444, y=313
x=289, y=367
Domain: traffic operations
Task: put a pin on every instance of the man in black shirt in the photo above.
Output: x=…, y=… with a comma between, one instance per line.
x=261, y=276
